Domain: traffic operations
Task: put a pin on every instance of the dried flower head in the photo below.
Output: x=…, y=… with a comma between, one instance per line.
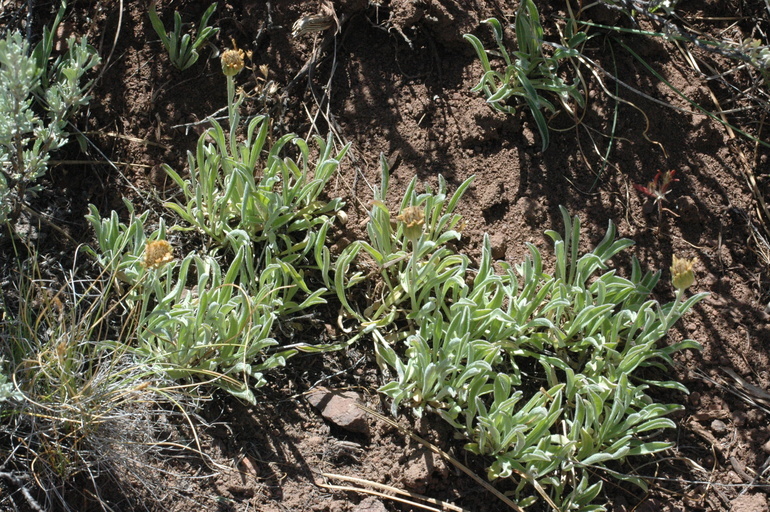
x=157, y=253
x=413, y=218
x=232, y=61
x=682, y=275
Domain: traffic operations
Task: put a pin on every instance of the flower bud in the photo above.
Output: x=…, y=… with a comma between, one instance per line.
x=682, y=275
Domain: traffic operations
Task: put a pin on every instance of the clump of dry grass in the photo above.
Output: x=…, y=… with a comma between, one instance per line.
x=81, y=420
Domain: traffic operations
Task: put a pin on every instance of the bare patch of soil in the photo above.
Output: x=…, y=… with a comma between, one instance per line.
x=396, y=80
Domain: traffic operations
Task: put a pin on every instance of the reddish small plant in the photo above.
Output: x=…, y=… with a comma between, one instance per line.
x=658, y=189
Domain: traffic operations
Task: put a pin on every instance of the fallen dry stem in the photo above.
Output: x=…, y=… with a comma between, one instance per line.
x=444, y=505
x=434, y=501
x=596, y=69
x=376, y=493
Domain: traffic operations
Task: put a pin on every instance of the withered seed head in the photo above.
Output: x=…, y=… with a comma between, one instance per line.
x=157, y=253
x=232, y=61
x=413, y=218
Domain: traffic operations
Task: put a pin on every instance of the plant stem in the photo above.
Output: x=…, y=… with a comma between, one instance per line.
x=677, y=300
x=232, y=112
x=413, y=274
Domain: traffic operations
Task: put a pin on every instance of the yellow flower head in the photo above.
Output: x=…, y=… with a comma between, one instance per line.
x=413, y=218
x=232, y=61
x=682, y=275
x=157, y=253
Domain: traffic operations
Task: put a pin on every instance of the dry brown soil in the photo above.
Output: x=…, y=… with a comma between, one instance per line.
x=396, y=80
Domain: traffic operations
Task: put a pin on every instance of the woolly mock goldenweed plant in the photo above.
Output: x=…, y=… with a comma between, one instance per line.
x=530, y=73
x=196, y=321
x=410, y=253
x=273, y=202
x=209, y=318
x=249, y=186
x=546, y=374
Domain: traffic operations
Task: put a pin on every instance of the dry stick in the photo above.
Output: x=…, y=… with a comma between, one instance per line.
x=91, y=162
x=435, y=449
x=109, y=162
x=331, y=122
x=138, y=140
x=43, y=218
x=733, y=390
x=444, y=505
x=376, y=493
x=313, y=60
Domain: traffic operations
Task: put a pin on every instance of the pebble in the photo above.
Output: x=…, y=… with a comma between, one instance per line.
x=499, y=246
x=756, y=417
x=370, y=505
x=719, y=427
x=750, y=503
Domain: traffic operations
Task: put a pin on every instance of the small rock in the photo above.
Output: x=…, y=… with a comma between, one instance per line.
x=499, y=246
x=719, y=427
x=750, y=503
x=370, y=504
x=755, y=417
x=688, y=209
x=339, y=407
x=418, y=471
x=247, y=466
x=766, y=447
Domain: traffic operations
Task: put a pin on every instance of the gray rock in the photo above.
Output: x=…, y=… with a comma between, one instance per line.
x=719, y=427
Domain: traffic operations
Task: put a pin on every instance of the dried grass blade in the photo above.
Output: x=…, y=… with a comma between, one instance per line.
x=444, y=505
